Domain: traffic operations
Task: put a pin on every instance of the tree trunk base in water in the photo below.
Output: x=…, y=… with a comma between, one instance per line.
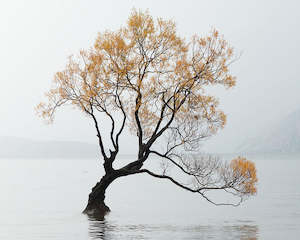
x=96, y=210
x=96, y=206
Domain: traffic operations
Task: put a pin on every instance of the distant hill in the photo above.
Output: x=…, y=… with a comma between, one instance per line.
x=283, y=138
x=11, y=147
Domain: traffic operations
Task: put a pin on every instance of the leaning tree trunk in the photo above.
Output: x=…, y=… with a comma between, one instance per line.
x=96, y=206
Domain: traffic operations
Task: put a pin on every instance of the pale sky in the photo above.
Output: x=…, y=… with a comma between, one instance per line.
x=38, y=36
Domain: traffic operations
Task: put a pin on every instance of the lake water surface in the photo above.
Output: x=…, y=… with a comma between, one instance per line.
x=43, y=199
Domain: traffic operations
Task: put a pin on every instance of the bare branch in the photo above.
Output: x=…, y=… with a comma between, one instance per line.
x=187, y=188
x=98, y=133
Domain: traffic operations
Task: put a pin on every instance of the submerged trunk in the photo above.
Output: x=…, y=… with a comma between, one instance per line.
x=96, y=206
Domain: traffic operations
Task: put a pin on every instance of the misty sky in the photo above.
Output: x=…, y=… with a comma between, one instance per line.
x=37, y=36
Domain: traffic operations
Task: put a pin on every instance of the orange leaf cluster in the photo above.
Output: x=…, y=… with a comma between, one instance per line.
x=142, y=69
x=244, y=173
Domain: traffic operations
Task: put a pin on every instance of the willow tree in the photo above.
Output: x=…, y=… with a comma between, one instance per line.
x=146, y=78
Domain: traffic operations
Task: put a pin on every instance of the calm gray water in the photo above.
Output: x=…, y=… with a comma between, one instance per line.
x=43, y=199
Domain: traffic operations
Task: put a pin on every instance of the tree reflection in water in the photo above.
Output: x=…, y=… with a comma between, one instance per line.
x=101, y=229
x=97, y=226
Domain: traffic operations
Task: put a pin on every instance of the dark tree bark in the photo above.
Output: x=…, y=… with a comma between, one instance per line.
x=96, y=206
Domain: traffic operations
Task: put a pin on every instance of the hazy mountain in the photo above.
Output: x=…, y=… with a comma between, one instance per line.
x=11, y=147
x=284, y=137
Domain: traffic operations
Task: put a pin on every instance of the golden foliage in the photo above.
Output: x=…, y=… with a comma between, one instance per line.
x=244, y=173
x=141, y=68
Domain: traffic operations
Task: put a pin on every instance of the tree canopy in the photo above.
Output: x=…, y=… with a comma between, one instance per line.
x=147, y=78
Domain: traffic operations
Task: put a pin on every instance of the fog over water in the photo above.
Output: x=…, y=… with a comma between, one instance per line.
x=38, y=36
x=45, y=197
x=42, y=198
